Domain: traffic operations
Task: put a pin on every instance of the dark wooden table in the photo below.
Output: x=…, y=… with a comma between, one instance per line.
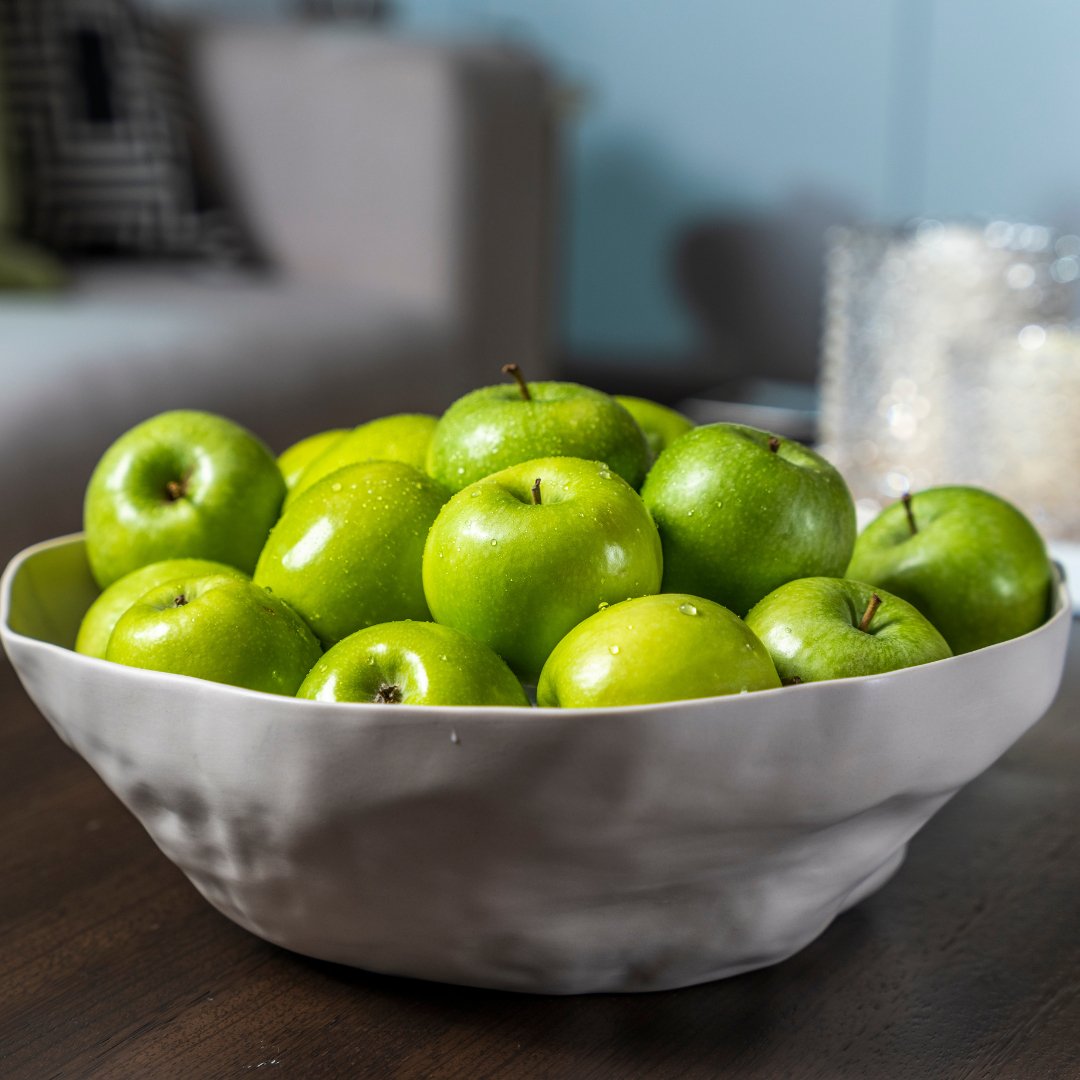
x=967, y=964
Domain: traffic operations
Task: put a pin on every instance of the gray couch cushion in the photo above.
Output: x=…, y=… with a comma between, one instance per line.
x=282, y=357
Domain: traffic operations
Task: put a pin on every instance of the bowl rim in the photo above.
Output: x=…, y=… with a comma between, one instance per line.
x=402, y=712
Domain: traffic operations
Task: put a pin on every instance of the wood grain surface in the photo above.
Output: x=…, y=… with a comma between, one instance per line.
x=966, y=965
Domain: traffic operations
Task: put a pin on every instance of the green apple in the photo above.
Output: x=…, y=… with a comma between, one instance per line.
x=182, y=484
x=296, y=458
x=655, y=648
x=97, y=625
x=661, y=425
x=220, y=628
x=831, y=628
x=347, y=553
x=413, y=663
x=740, y=511
x=971, y=562
x=498, y=426
x=404, y=437
x=519, y=558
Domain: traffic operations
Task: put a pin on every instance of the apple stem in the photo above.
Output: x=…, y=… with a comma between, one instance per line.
x=180, y=600
x=774, y=444
x=515, y=371
x=906, y=500
x=536, y=492
x=868, y=614
x=174, y=490
x=388, y=694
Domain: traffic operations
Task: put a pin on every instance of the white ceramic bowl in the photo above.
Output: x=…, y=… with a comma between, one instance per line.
x=540, y=850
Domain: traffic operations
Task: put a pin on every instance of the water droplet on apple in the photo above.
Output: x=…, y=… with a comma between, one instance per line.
x=604, y=474
x=461, y=470
x=689, y=513
x=335, y=486
x=688, y=609
x=613, y=649
x=603, y=604
x=443, y=658
x=494, y=543
x=473, y=494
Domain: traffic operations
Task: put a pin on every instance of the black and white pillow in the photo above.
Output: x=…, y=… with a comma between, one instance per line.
x=103, y=126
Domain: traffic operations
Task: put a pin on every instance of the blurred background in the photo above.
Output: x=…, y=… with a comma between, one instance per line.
x=708, y=145
x=853, y=220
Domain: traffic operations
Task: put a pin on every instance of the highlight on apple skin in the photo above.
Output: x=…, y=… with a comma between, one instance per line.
x=741, y=511
x=218, y=628
x=347, y=552
x=498, y=426
x=100, y=619
x=519, y=558
x=182, y=484
x=970, y=561
x=413, y=663
x=833, y=628
x=666, y=647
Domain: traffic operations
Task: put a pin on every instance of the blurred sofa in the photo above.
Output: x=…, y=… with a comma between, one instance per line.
x=402, y=192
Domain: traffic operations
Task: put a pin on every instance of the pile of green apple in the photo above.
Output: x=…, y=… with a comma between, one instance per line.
x=602, y=549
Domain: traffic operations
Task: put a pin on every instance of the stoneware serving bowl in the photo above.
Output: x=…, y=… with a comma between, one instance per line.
x=539, y=850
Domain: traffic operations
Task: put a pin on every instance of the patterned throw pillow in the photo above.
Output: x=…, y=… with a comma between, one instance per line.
x=21, y=266
x=103, y=131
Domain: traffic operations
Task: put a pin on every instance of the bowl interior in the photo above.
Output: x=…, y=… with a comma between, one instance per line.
x=47, y=591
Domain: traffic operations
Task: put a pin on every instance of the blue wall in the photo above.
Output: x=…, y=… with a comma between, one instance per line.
x=695, y=107
x=873, y=108
x=795, y=111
